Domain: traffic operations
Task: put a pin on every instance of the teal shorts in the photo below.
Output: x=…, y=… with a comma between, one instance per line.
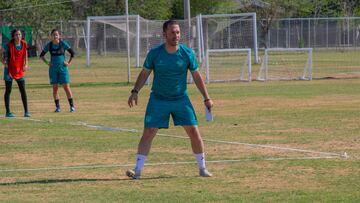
x=158, y=112
x=59, y=74
x=8, y=78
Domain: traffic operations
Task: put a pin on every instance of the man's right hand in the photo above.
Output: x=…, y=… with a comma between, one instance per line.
x=133, y=99
x=209, y=104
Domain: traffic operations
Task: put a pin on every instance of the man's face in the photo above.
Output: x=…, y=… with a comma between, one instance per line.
x=172, y=35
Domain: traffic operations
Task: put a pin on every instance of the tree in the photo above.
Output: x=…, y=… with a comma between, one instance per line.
x=202, y=7
x=34, y=13
x=84, y=8
x=349, y=7
x=331, y=8
x=268, y=13
x=102, y=8
x=151, y=9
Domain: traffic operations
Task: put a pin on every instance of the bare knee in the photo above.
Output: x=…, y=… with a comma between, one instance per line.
x=55, y=89
x=193, y=132
x=149, y=133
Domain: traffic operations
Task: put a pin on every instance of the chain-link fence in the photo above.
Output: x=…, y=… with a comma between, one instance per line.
x=283, y=33
x=336, y=41
x=314, y=32
x=108, y=34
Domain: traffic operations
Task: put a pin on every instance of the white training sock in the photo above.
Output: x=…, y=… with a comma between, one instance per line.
x=140, y=161
x=200, y=158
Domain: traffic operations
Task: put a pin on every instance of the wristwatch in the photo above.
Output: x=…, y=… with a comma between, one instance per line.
x=205, y=100
x=134, y=91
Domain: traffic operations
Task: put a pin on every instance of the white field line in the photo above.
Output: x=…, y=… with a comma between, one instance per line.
x=99, y=127
x=160, y=164
x=220, y=141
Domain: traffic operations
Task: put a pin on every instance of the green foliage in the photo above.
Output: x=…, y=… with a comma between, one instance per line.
x=151, y=9
x=305, y=8
x=34, y=13
x=38, y=13
x=203, y=7
x=357, y=12
x=328, y=8
x=102, y=8
x=322, y=8
x=16, y=11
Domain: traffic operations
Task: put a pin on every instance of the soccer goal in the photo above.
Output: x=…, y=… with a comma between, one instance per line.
x=286, y=64
x=229, y=31
x=106, y=35
x=226, y=65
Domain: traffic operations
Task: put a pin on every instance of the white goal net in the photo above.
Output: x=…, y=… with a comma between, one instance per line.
x=229, y=31
x=286, y=64
x=106, y=39
x=225, y=65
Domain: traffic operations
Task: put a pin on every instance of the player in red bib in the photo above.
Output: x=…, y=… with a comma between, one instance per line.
x=14, y=58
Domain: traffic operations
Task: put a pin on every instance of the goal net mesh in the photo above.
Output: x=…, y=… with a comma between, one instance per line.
x=225, y=65
x=286, y=64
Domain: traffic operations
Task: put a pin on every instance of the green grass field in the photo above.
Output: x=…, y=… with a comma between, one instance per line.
x=318, y=116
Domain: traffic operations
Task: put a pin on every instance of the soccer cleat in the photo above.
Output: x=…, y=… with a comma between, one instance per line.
x=27, y=114
x=57, y=110
x=9, y=115
x=204, y=173
x=72, y=109
x=134, y=174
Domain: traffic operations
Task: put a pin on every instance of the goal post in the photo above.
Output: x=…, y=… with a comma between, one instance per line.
x=286, y=64
x=226, y=65
x=229, y=31
x=100, y=29
x=106, y=38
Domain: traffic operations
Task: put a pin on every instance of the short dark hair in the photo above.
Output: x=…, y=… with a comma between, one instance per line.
x=54, y=30
x=169, y=23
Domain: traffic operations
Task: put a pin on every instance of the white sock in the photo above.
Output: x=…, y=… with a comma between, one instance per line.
x=200, y=158
x=140, y=161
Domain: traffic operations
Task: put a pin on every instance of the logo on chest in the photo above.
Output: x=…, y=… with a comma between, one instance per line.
x=179, y=63
x=168, y=65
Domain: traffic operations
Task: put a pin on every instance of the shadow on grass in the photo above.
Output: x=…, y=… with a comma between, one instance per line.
x=54, y=181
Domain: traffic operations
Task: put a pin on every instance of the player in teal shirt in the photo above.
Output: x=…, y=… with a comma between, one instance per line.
x=170, y=70
x=58, y=67
x=170, y=63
